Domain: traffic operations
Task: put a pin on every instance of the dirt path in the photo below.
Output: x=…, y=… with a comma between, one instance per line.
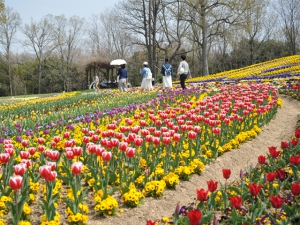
x=281, y=128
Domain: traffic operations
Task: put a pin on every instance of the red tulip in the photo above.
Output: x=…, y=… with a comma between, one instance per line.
x=4, y=158
x=297, y=133
x=20, y=169
x=202, y=195
x=24, y=143
x=276, y=201
x=91, y=133
x=69, y=143
x=254, y=189
x=99, y=150
x=52, y=165
x=138, y=141
x=40, y=140
x=150, y=222
x=26, y=162
x=195, y=217
x=95, y=138
x=32, y=150
x=166, y=140
x=130, y=152
x=42, y=148
x=77, y=151
x=226, y=173
x=51, y=176
x=45, y=171
x=294, y=142
x=295, y=160
x=212, y=186
x=273, y=152
x=84, y=130
x=192, y=135
x=85, y=139
x=10, y=151
x=176, y=137
x=295, y=188
x=56, y=139
x=261, y=159
x=157, y=133
x=236, y=202
x=70, y=155
x=106, y=156
x=156, y=140
x=131, y=137
x=24, y=154
x=284, y=144
x=15, y=182
x=67, y=135
x=280, y=174
x=76, y=167
x=145, y=132
x=149, y=138
x=271, y=176
x=52, y=154
x=123, y=146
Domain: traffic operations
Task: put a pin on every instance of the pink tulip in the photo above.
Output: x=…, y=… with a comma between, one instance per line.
x=4, y=158
x=45, y=171
x=130, y=152
x=24, y=154
x=106, y=156
x=20, y=169
x=15, y=182
x=77, y=151
x=76, y=167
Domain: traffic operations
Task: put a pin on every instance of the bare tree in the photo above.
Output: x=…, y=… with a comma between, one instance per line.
x=172, y=30
x=40, y=41
x=8, y=29
x=142, y=20
x=289, y=11
x=67, y=35
x=206, y=18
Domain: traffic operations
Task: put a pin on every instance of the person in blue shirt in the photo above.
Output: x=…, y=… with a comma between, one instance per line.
x=167, y=71
x=123, y=78
x=146, y=82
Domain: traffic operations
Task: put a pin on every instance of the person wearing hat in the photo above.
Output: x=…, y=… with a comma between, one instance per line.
x=147, y=81
x=123, y=78
x=167, y=71
x=183, y=71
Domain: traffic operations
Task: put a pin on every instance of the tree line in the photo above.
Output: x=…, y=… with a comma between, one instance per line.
x=216, y=35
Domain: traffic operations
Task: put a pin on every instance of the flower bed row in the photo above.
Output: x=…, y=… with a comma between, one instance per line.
x=162, y=141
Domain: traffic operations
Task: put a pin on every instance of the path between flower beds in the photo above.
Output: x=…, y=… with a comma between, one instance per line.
x=281, y=128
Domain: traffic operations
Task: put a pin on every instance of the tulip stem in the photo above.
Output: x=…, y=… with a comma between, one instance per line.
x=16, y=202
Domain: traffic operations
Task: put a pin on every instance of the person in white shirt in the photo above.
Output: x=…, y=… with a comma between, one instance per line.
x=183, y=71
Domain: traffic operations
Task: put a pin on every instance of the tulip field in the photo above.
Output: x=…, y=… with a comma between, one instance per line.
x=66, y=156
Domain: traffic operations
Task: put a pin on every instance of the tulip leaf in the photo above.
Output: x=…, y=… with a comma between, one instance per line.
x=112, y=176
x=207, y=218
x=70, y=203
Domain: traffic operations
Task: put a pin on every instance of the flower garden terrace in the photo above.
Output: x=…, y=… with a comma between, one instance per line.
x=279, y=71
x=138, y=153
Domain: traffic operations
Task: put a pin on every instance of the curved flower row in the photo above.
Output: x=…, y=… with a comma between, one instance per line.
x=165, y=139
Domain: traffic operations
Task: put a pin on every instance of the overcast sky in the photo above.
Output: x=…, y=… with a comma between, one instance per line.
x=36, y=9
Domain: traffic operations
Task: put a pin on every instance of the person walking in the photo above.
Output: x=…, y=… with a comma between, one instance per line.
x=123, y=78
x=183, y=71
x=167, y=71
x=96, y=83
x=147, y=78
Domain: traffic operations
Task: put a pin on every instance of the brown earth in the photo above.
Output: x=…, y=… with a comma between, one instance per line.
x=281, y=128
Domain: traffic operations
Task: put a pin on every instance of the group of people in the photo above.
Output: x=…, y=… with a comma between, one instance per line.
x=183, y=72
